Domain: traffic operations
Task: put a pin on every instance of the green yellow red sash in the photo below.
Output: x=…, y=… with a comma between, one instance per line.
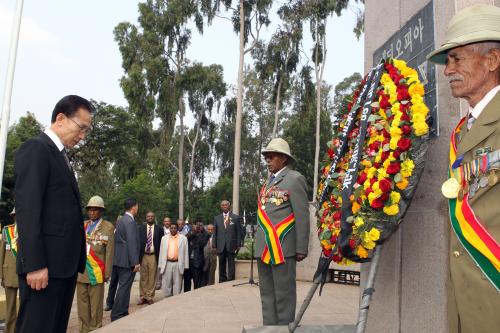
x=95, y=267
x=274, y=235
x=10, y=236
x=481, y=246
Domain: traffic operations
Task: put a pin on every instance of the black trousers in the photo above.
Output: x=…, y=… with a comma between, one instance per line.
x=122, y=298
x=113, y=284
x=46, y=310
x=187, y=279
x=198, y=277
x=226, y=258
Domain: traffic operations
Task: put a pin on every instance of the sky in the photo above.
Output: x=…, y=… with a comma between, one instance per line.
x=67, y=47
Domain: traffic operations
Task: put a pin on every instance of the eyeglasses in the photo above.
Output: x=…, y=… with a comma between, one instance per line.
x=83, y=128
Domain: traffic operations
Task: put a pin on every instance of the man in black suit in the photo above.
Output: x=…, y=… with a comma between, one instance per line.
x=150, y=235
x=126, y=258
x=227, y=240
x=51, y=239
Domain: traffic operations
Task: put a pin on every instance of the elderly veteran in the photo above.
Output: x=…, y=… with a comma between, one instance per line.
x=90, y=284
x=471, y=55
x=283, y=236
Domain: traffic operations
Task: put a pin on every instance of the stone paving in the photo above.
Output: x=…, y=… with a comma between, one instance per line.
x=223, y=308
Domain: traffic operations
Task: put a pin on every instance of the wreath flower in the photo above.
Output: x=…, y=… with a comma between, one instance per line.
x=388, y=169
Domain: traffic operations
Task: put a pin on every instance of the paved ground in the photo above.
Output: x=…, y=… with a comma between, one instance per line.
x=223, y=308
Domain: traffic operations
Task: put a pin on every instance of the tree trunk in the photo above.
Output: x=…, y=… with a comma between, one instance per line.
x=319, y=79
x=193, y=150
x=181, y=159
x=239, y=111
x=277, y=108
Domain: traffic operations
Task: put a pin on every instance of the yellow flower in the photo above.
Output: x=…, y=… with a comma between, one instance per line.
x=419, y=108
x=416, y=89
x=374, y=234
x=393, y=144
x=395, y=197
x=399, y=64
x=382, y=173
x=366, y=184
x=326, y=244
x=385, y=79
x=402, y=184
x=421, y=128
x=355, y=207
x=395, y=131
x=375, y=186
x=369, y=244
x=415, y=99
x=362, y=253
x=391, y=210
x=366, y=163
x=395, y=108
x=407, y=168
x=374, y=195
x=358, y=222
x=371, y=172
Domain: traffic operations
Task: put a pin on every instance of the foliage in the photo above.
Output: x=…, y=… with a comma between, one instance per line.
x=26, y=128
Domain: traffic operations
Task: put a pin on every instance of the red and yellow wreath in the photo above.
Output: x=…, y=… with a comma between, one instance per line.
x=370, y=171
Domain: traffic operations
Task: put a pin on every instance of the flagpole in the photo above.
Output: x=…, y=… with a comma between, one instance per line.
x=9, y=81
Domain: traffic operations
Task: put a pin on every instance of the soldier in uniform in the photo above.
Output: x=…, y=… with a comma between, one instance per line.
x=283, y=235
x=90, y=284
x=8, y=252
x=471, y=55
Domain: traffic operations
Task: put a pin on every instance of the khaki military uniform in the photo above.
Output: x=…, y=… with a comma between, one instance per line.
x=286, y=194
x=90, y=298
x=474, y=302
x=10, y=283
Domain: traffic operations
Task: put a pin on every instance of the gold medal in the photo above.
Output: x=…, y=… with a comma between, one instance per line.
x=450, y=188
x=492, y=178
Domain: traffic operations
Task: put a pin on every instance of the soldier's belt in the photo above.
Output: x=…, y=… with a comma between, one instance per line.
x=274, y=235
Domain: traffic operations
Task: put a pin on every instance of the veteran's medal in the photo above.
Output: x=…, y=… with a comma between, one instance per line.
x=450, y=188
x=492, y=178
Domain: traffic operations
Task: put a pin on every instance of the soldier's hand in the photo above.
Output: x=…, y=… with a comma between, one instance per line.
x=300, y=256
x=137, y=268
x=39, y=279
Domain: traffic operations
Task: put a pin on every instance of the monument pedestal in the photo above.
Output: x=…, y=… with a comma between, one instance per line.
x=301, y=329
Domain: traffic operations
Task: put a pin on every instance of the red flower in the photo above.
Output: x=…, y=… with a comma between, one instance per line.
x=386, y=135
x=330, y=153
x=375, y=146
x=377, y=204
x=337, y=215
x=384, y=196
x=361, y=178
x=384, y=102
x=396, y=153
x=405, y=116
x=393, y=168
x=326, y=252
x=384, y=155
x=385, y=185
x=406, y=129
x=404, y=144
x=333, y=239
x=352, y=243
x=403, y=93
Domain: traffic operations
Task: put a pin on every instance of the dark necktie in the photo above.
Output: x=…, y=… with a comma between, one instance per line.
x=65, y=154
x=149, y=240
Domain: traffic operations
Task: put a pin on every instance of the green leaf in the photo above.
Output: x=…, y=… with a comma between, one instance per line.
x=398, y=177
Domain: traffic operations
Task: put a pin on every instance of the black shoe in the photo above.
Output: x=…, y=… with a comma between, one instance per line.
x=108, y=308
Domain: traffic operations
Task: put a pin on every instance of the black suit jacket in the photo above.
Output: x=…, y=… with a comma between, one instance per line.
x=127, y=244
x=48, y=211
x=157, y=235
x=230, y=238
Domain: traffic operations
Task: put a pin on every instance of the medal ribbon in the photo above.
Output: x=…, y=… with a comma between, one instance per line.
x=274, y=235
x=480, y=245
x=95, y=267
x=10, y=236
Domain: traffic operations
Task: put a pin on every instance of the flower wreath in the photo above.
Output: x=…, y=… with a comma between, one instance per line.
x=373, y=162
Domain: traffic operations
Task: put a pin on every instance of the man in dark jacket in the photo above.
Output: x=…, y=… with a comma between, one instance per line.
x=126, y=259
x=227, y=240
x=51, y=238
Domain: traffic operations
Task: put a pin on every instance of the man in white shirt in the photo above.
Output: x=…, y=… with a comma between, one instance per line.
x=471, y=55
